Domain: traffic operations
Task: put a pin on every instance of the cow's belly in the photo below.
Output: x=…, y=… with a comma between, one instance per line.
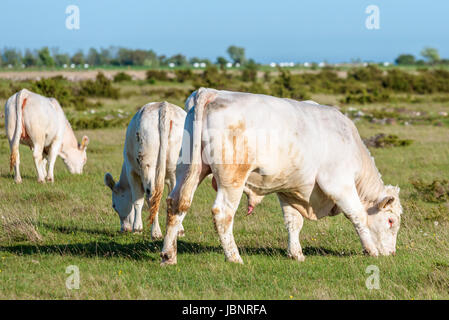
x=307, y=198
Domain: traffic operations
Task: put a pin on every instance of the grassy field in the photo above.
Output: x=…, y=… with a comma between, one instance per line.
x=46, y=228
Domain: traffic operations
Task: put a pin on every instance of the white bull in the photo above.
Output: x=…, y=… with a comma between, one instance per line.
x=310, y=155
x=40, y=123
x=152, y=144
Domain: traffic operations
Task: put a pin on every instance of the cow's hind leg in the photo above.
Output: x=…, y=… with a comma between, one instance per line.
x=293, y=222
x=171, y=181
x=174, y=219
x=15, y=159
x=223, y=211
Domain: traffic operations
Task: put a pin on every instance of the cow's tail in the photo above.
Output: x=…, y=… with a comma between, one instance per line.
x=20, y=104
x=202, y=98
x=165, y=124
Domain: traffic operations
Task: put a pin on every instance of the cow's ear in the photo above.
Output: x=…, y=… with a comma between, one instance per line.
x=385, y=202
x=84, y=143
x=109, y=181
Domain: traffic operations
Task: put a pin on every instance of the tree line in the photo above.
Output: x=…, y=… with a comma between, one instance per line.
x=112, y=56
x=431, y=57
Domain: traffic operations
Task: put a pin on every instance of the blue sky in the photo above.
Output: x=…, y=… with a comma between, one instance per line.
x=278, y=30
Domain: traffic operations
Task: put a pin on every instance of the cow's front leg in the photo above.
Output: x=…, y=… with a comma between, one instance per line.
x=349, y=202
x=137, y=223
x=52, y=155
x=293, y=222
x=223, y=212
x=38, y=162
x=138, y=199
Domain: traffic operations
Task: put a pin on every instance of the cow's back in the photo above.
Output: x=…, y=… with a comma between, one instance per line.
x=286, y=140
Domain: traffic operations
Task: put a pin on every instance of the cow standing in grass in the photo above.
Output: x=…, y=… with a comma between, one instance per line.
x=152, y=145
x=41, y=124
x=310, y=155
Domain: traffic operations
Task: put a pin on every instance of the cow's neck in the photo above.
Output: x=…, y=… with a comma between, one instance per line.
x=69, y=141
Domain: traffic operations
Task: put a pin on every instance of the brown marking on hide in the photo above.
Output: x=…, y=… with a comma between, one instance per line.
x=235, y=173
x=24, y=135
x=171, y=126
x=171, y=219
x=170, y=205
x=215, y=211
x=299, y=203
x=154, y=204
x=12, y=161
x=227, y=222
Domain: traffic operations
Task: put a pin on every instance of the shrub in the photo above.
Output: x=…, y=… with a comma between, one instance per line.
x=183, y=75
x=382, y=140
x=364, y=96
x=365, y=74
x=153, y=75
x=437, y=191
x=101, y=87
x=122, y=76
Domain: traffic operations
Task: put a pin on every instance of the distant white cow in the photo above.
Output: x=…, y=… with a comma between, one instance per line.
x=40, y=123
x=310, y=155
x=152, y=145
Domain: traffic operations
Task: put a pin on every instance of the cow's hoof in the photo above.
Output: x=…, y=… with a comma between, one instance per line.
x=137, y=231
x=50, y=179
x=41, y=181
x=181, y=233
x=156, y=236
x=297, y=257
x=167, y=260
x=371, y=253
x=235, y=259
x=18, y=181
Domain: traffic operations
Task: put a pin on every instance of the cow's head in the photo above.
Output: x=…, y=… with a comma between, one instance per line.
x=76, y=158
x=121, y=201
x=384, y=220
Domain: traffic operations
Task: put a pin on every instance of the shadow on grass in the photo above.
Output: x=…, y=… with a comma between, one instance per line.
x=75, y=229
x=149, y=250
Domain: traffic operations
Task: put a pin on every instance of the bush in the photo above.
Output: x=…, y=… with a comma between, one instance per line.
x=365, y=74
x=122, y=76
x=364, y=96
x=382, y=140
x=183, y=75
x=153, y=75
x=212, y=78
x=101, y=87
x=287, y=86
x=98, y=122
x=437, y=191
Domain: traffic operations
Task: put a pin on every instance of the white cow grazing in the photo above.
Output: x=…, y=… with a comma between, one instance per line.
x=40, y=123
x=152, y=145
x=310, y=155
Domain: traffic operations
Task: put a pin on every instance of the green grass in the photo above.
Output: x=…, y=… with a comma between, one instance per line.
x=71, y=222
